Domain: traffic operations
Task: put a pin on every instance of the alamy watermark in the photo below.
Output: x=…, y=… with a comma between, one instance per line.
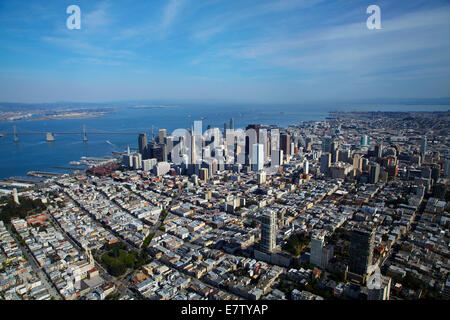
x=374, y=21
x=74, y=20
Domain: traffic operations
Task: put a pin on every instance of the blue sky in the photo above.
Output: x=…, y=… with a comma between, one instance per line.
x=223, y=50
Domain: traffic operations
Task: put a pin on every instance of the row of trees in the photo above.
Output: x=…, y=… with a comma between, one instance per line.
x=147, y=240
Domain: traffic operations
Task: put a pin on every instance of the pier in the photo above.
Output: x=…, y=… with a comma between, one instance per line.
x=41, y=174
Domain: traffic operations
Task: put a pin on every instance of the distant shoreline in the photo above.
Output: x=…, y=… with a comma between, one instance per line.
x=155, y=107
x=69, y=117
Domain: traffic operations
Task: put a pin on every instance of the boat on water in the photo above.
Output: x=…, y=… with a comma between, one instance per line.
x=1, y=135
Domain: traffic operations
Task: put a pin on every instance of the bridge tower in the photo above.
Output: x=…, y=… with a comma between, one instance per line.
x=50, y=137
x=16, y=138
x=84, y=134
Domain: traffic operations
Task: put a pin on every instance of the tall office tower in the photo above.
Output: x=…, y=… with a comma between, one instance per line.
x=162, y=135
x=379, y=151
x=334, y=152
x=447, y=168
x=277, y=158
x=423, y=146
x=326, y=144
x=231, y=124
x=161, y=152
x=285, y=143
x=264, y=139
x=325, y=163
x=357, y=162
x=215, y=137
x=365, y=141
x=347, y=155
x=164, y=152
x=327, y=255
x=258, y=157
x=268, y=146
x=306, y=167
x=374, y=173
x=426, y=172
x=317, y=245
x=268, y=232
x=224, y=129
x=436, y=172
x=143, y=144
x=211, y=165
x=361, y=250
x=250, y=142
x=204, y=173
x=169, y=147
x=364, y=164
x=193, y=155
x=155, y=151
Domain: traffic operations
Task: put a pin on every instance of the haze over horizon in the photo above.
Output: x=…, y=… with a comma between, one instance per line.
x=236, y=51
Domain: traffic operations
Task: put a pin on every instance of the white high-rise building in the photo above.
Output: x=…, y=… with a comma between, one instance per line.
x=306, y=167
x=321, y=254
x=317, y=244
x=423, y=146
x=162, y=168
x=149, y=164
x=268, y=232
x=137, y=161
x=193, y=151
x=258, y=157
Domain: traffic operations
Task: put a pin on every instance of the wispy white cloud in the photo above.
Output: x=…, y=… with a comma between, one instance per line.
x=154, y=29
x=94, y=61
x=227, y=20
x=171, y=11
x=100, y=17
x=351, y=47
x=82, y=47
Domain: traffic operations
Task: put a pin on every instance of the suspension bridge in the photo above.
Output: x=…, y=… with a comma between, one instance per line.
x=50, y=136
